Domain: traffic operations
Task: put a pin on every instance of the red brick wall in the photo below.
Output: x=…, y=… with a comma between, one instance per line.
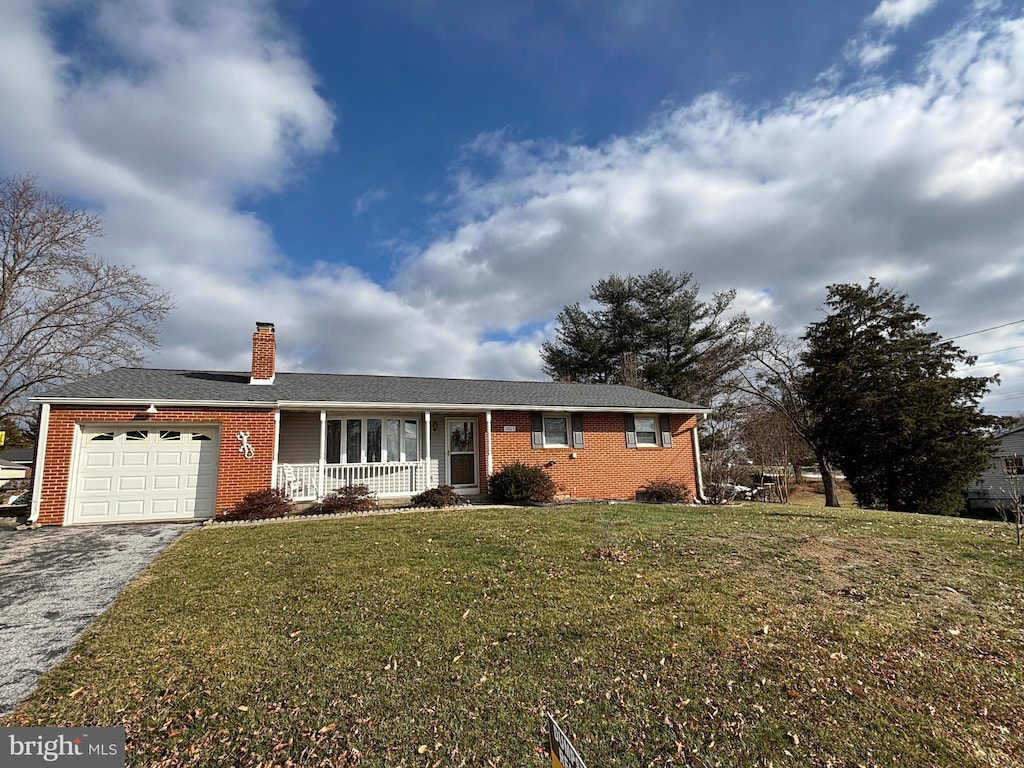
x=264, y=352
x=236, y=475
x=604, y=468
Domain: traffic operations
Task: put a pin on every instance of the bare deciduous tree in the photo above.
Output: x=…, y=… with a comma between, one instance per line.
x=723, y=466
x=774, y=378
x=1011, y=505
x=64, y=312
x=772, y=444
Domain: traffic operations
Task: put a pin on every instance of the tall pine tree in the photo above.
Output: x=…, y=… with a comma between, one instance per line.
x=655, y=332
x=906, y=430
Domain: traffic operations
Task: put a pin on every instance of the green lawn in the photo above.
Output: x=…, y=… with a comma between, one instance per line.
x=753, y=636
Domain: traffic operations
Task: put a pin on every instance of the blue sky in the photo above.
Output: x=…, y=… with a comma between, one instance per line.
x=419, y=186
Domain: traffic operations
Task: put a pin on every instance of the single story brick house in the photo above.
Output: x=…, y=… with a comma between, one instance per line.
x=136, y=444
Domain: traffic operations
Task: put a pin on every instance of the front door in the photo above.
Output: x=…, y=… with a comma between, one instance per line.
x=461, y=450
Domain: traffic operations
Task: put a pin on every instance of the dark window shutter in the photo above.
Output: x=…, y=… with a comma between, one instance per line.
x=537, y=430
x=666, y=431
x=577, y=430
x=630, y=431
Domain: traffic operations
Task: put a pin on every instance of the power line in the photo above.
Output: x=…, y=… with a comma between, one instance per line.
x=989, y=365
x=995, y=351
x=984, y=330
x=1011, y=396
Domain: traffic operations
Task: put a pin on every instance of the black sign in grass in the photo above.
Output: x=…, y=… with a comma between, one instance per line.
x=563, y=753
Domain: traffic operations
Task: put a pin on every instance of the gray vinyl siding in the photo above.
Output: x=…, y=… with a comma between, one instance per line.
x=300, y=437
x=437, y=440
x=990, y=489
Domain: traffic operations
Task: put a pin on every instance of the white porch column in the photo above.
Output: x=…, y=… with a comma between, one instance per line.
x=426, y=447
x=277, y=446
x=490, y=456
x=323, y=454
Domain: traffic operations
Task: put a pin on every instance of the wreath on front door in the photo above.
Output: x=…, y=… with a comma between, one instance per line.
x=462, y=439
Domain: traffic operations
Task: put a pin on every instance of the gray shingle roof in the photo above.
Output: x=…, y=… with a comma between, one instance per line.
x=169, y=386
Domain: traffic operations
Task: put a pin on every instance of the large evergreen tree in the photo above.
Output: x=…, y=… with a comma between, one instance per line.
x=907, y=431
x=652, y=331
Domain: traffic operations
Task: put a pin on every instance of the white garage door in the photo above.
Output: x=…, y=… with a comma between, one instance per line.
x=139, y=472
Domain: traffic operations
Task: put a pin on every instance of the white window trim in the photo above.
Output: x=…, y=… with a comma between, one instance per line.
x=657, y=427
x=402, y=418
x=568, y=429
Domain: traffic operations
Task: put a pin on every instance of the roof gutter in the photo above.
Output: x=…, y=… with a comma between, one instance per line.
x=147, y=401
x=338, y=405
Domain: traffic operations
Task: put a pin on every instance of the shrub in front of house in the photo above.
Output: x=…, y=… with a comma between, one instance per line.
x=442, y=496
x=520, y=483
x=347, y=500
x=260, y=505
x=666, y=492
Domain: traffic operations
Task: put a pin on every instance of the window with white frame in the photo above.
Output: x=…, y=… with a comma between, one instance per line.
x=556, y=431
x=1014, y=465
x=372, y=440
x=646, y=431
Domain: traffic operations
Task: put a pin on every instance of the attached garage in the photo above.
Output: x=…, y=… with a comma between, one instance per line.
x=132, y=473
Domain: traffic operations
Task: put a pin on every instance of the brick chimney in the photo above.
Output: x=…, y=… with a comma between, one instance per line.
x=264, y=354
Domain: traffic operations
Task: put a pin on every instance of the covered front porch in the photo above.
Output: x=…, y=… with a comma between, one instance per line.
x=394, y=453
x=312, y=481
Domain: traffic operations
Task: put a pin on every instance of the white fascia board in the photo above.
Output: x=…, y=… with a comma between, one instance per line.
x=87, y=402
x=299, y=405
x=453, y=408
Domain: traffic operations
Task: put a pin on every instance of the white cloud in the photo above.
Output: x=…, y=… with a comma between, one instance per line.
x=161, y=114
x=897, y=14
x=870, y=54
x=369, y=198
x=919, y=183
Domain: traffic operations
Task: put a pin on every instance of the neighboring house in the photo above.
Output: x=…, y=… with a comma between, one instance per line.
x=1004, y=477
x=10, y=470
x=22, y=456
x=139, y=444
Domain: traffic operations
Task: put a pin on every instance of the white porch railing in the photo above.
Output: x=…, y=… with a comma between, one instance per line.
x=396, y=478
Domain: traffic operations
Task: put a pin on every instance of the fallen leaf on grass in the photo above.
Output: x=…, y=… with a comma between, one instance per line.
x=77, y=692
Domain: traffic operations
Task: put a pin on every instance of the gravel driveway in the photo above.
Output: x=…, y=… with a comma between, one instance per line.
x=54, y=582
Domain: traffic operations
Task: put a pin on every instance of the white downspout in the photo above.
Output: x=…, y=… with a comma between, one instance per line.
x=277, y=447
x=490, y=456
x=37, y=469
x=323, y=455
x=696, y=463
